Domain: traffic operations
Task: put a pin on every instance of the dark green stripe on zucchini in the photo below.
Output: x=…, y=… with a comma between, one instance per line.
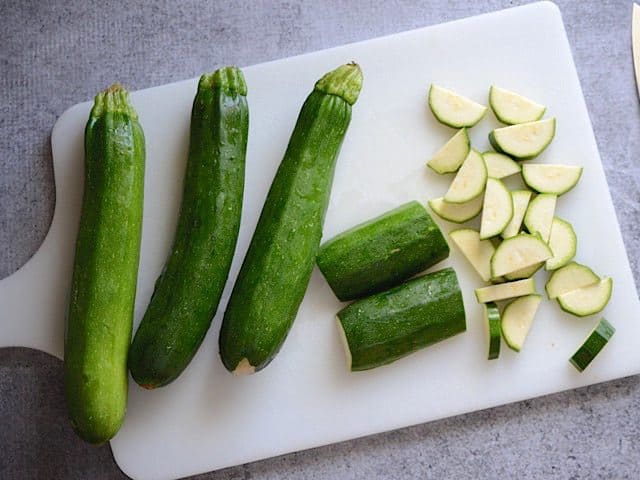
x=390, y=325
x=382, y=252
x=105, y=270
x=278, y=265
x=188, y=291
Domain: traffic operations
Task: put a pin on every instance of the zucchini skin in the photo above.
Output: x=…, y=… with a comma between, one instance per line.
x=278, y=264
x=390, y=325
x=187, y=293
x=100, y=315
x=378, y=254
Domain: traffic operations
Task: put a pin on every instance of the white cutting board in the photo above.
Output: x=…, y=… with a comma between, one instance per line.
x=208, y=419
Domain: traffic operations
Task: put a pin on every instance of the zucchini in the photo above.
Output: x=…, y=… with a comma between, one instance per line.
x=103, y=287
x=378, y=254
x=470, y=180
x=454, y=110
x=563, y=243
x=569, y=278
x=500, y=165
x=525, y=272
x=594, y=343
x=188, y=291
x=523, y=141
x=492, y=315
x=456, y=212
x=517, y=319
x=518, y=252
x=539, y=216
x=390, y=325
x=278, y=264
x=497, y=209
x=520, y=199
x=556, y=179
x=449, y=158
x=512, y=108
x=506, y=290
x=587, y=300
x=478, y=252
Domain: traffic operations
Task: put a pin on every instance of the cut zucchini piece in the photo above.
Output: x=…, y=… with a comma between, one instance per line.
x=557, y=179
x=500, y=165
x=477, y=252
x=517, y=319
x=456, y=212
x=492, y=315
x=524, y=272
x=497, y=209
x=449, y=158
x=511, y=108
x=454, y=110
x=502, y=291
x=519, y=252
x=470, y=180
x=539, y=216
x=587, y=300
x=562, y=242
x=572, y=276
x=524, y=141
x=520, y=200
x=594, y=343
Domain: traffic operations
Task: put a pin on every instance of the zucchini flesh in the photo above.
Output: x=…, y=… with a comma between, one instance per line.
x=449, y=158
x=382, y=252
x=572, y=276
x=593, y=344
x=506, y=290
x=517, y=319
x=390, y=325
x=456, y=212
x=512, y=108
x=278, y=264
x=103, y=286
x=478, y=252
x=587, y=300
x=188, y=291
x=492, y=315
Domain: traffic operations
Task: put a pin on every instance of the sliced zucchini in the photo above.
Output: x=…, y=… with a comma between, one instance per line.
x=497, y=209
x=524, y=141
x=502, y=291
x=539, y=216
x=492, y=315
x=477, y=252
x=524, y=272
x=454, y=110
x=517, y=319
x=557, y=179
x=449, y=158
x=511, y=108
x=470, y=180
x=587, y=300
x=520, y=199
x=594, y=343
x=572, y=276
x=562, y=242
x=456, y=212
x=500, y=165
x=519, y=252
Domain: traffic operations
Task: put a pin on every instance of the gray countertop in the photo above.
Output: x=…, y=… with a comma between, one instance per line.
x=57, y=53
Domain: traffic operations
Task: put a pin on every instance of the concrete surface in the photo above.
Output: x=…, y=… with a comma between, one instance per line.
x=57, y=53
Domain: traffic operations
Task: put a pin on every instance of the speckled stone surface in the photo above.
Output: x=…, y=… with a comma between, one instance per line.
x=57, y=53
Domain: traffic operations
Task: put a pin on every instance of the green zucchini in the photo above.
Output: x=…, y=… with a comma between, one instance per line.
x=103, y=287
x=382, y=252
x=278, y=264
x=390, y=325
x=594, y=343
x=188, y=291
x=492, y=315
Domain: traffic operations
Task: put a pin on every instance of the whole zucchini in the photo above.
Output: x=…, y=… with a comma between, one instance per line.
x=103, y=287
x=382, y=252
x=187, y=293
x=390, y=325
x=281, y=255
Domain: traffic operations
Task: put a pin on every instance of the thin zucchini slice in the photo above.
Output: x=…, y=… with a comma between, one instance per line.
x=449, y=158
x=470, y=180
x=456, y=212
x=539, y=216
x=520, y=199
x=594, y=343
x=524, y=272
x=587, y=300
x=502, y=291
x=524, y=141
x=519, y=252
x=563, y=244
x=497, y=209
x=572, y=276
x=512, y=108
x=545, y=178
x=492, y=315
x=500, y=165
x=477, y=252
x=454, y=110
x=517, y=319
